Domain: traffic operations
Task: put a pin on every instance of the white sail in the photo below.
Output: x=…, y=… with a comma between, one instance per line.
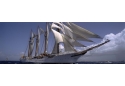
x=69, y=36
x=55, y=26
x=67, y=45
x=59, y=26
x=31, y=45
x=83, y=32
x=37, y=42
x=58, y=36
x=74, y=35
x=73, y=42
x=58, y=39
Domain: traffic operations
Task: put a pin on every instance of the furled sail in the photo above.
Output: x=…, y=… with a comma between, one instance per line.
x=46, y=38
x=37, y=42
x=83, y=32
x=31, y=45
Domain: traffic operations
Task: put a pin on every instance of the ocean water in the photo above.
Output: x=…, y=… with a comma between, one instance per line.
x=98, y=62
x=13, y=62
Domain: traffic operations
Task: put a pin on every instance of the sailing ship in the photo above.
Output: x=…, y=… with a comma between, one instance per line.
x=67, y=33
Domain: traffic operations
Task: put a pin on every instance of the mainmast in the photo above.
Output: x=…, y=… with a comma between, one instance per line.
x=58, y=30
x=46, y=38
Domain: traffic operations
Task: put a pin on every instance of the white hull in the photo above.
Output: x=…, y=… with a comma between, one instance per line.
x=56, y=59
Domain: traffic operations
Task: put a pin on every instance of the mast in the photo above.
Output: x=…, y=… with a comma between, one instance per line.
x=37, y=41
x=29, y=50
x=58, y=30
x=46, y=38
x=31, y=44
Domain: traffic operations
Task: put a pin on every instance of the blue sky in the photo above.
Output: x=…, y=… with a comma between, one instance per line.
x=14, y=36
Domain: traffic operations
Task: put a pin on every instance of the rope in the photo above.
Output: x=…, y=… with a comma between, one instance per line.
x=51, y=45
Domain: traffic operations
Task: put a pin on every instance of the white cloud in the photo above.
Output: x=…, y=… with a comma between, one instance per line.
x=114, y=50
x=61, y=46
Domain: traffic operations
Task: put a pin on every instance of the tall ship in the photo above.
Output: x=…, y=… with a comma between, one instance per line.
x=66, y=33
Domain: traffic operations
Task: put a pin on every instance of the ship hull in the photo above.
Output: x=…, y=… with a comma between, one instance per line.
x=65, y=58
x=68, y=58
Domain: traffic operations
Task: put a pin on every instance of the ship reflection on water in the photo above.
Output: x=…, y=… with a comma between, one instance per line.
x=85, y=62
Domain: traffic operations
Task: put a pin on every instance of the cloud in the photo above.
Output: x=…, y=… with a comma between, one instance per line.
x=114, y=50
x=61, y=46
